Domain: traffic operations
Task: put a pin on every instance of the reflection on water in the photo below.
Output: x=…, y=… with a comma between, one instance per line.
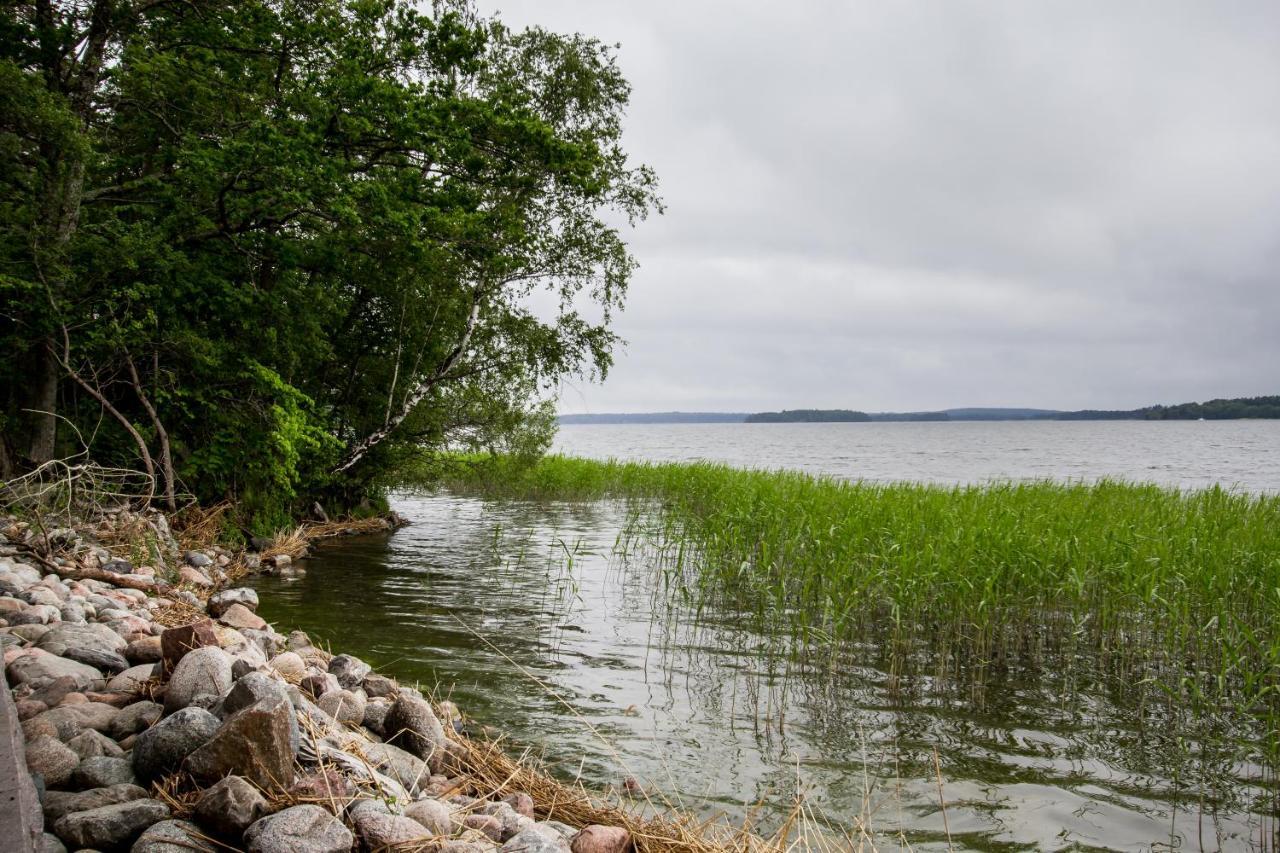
x=489, y=599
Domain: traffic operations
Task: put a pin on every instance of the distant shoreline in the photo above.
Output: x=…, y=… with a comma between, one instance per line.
x=1239, y=408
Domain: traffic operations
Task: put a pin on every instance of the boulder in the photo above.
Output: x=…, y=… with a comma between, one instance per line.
x=102, y=771
x=58, y=803
x=108, y=662
x=404, y=767
x=521, y=802
x=601, y=839
x=145, y=650
x=344, y=706
x=205, y=671
x=488, y=824
x=175, y=643
x=238, y=616
x=318, y=684
x=536, y=839
x=379, y=685
x=38, y=668
x=327, y=788
x=198, y=559
x=432, y=814
x=229, y=806
x=162, y=748
x=382, y=831
x=89, y=744
x=93, y=636
x=62, y=723
x=172, y=836
x=133, y=679
x=254, y=742
x=251, y=688
x=299, y=829
x=375, y=715
x=194, y=577
x=349, y=671
x=52, y=759
x=412, y=725
x=136, y=718
x=222, y=601
x=290, y=665
x=49, y=843
x=109, y=827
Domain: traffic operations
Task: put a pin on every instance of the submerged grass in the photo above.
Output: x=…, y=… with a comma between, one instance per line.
x=1168, y=590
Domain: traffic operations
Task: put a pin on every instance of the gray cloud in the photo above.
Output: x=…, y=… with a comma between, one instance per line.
x=919, y=204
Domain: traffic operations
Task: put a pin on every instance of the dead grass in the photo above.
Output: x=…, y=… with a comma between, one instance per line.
x=175, y=613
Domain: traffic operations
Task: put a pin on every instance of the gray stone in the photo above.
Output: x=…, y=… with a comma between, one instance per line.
x=344, y=706
x=601, y=839
x=404, y=767
x=62, y=723
x=172, y=836
x=101, y=771
x=52, y=759
x=252, y=688
x=161, y=749
x=132, y=679
x=379, y=685
x=93, y=636
x=197, y=559
x=300, y=829
x=109, y=827
x=535, y=839
x=508, y=818
x=382, y=831
x=318, y=684
x=107, y=662
x=37, y=668
x=254, y=742
x=349, y=671
x=74, y=611
x=59, y=803
x=412, y=725
x=90, y=743
x=93, y=715
x=432, y=814
x=229, y=806
x=220, y=602
x=375, y=715
x=49, y=843
x=206, y=670
x=136, y=718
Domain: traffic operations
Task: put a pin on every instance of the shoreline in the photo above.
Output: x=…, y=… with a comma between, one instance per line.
x=157, y=711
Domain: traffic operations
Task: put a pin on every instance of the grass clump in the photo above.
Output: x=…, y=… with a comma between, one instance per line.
x=1174, y=591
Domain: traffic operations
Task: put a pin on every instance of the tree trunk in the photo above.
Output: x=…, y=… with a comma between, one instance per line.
x=43, y=405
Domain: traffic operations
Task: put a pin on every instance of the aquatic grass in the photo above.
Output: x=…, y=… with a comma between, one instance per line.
x=1171, y=592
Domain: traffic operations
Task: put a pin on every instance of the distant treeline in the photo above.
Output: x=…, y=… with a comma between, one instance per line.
x=805, y=416
x=1213, y=410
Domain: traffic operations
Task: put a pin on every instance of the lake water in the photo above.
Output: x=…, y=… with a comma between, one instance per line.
x=538, y=624
x=1240, y=454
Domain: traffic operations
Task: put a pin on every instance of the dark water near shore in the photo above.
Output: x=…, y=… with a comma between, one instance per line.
x=542, y=626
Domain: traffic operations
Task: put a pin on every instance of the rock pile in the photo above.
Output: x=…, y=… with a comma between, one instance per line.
x=224, y=733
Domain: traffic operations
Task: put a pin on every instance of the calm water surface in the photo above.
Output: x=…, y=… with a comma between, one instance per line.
x=543, y=627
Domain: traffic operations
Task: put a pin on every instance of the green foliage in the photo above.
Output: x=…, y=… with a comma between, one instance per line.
x=315, y=232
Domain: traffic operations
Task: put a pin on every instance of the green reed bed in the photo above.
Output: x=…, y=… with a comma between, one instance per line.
x=1179, y=590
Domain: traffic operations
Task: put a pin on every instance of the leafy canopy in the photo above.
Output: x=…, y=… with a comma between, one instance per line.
x=294, y=244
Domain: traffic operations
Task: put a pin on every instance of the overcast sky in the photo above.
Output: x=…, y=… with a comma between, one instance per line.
x=907, y=205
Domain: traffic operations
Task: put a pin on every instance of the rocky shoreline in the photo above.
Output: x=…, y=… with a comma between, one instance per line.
x=160, y=717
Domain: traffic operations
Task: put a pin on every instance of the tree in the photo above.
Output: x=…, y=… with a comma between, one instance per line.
x=305, y=234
